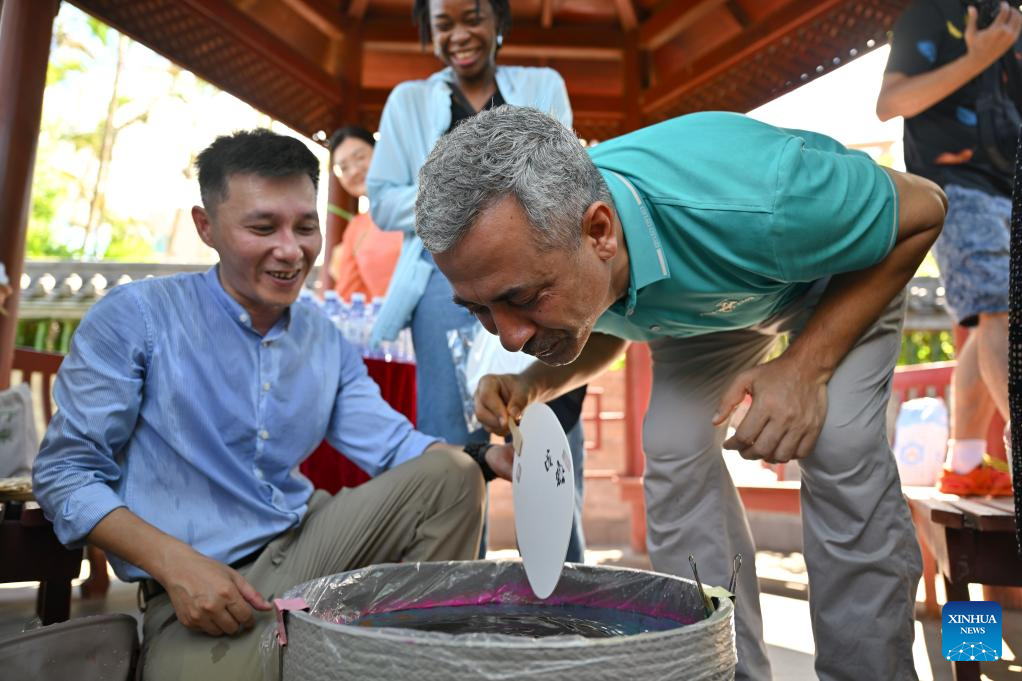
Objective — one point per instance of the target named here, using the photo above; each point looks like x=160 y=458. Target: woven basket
x=321 y=646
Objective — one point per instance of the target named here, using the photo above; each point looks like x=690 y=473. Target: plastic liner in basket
x=330 y=641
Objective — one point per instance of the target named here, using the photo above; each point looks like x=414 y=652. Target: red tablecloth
x=329 y=469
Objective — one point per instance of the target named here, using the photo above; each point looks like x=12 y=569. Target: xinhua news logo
x=971 y=630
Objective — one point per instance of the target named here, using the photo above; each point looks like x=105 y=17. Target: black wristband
x=477 y=450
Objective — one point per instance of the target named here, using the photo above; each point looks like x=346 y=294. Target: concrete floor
x=788 y=632
x=783 y=599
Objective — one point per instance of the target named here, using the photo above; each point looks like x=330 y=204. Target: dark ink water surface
x=522 y=620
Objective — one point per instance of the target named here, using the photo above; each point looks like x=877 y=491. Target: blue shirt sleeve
x=560 y=105
x=98 y=396
x=393 y=179
x=370 y=433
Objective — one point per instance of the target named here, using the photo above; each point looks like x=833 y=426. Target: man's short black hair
x=341 y=134
x=257 y=152
x=420 y=15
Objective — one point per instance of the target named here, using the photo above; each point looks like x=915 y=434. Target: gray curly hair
x=507 y=151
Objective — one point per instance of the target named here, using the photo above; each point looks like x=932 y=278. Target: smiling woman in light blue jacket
x=417 y=113
x=466 y=35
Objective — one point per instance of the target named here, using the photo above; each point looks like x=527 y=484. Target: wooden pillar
x=633 y=80
x=335 y=226
x=638 y=382
x=638 y=366
x=26 y=27
x=347 y=58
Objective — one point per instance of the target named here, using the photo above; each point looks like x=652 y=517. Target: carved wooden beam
x=324 y=15
x=626 y=15
x=740 y=15
x=706 y=67
x=633 y=79
x=212 y=38
x=667 y=23
x=598 y=105
x=611 y=106
x=546 y=13
x=528 y=40
x=357 y=9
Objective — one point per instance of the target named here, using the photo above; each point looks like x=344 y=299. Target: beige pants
x=859 y=544
x=427 y=509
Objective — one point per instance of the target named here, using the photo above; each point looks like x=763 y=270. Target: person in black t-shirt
x=955 y=77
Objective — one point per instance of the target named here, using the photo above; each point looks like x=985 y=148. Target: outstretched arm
x=393 y=179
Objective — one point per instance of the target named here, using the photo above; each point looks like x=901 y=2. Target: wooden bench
x=30 y=550
x=32 y=554
x=969 y=540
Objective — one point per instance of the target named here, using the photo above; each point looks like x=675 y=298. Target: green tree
x=49 y=191
x=130 y=241
x=73 y=55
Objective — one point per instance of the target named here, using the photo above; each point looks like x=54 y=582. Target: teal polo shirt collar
x=647 y=262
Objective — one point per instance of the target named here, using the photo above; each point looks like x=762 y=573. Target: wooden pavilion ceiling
x=316 y=64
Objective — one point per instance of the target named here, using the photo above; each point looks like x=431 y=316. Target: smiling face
x=350 y=163
x=267 y=235
x=465 y=36
x=540 y=301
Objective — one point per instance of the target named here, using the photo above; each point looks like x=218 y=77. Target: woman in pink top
x=364 y=260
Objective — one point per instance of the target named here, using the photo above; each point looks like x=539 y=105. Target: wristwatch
x=477 y=450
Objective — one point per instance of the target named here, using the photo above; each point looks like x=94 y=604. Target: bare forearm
x=908 y=96
x=132 y=539
x=853 y=300
x=904 y=95
x=851 y=303
x=206 y=594
x=551 y=382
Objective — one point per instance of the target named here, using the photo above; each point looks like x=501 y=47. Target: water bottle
x=406 y=350
x=344 y=320
x=358 y=321
x=307 y=297
x=382 y=349
x=332 y=306
x=920 y=440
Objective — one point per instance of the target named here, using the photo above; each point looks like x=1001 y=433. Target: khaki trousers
x=859 y=543
x=427 y=509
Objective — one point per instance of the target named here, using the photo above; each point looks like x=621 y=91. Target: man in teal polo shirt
x=707 y=236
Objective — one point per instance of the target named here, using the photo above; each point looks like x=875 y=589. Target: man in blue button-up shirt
x=707 y=236
x=187 y=403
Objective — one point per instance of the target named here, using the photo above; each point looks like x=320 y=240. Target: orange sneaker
x=1000 y=479
x=1000 y=485
x=981 y=481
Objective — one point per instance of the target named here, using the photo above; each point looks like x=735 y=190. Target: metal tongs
x=708 y=606
x=736 y=565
